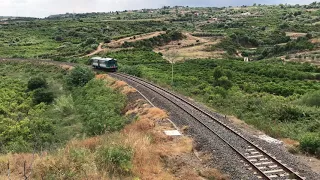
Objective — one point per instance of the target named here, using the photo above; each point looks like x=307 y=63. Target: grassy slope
x=64 y=38
x=27 y=125
x=141 y=150
x=268 y=94
x=270 y=98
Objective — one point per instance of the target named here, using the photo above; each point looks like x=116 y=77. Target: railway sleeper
x=265 y=161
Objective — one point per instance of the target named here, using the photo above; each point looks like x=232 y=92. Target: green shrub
x=64 y=105
x=79 y=156
x=223 y=82
x=217 y=73
x=311 y=99
x=99 y=107
x=37 y=83
x=289 y=113
x=310 y=143
x=42 y=95
x=79 y=76
x=107 y=39
x=90 y=41
x=115 y=160
x=18 y=145
x=58 y=38
x=132 y=70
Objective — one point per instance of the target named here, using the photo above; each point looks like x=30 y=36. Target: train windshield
x=112 y=62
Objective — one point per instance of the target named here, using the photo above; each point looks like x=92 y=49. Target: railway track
x=263 y=164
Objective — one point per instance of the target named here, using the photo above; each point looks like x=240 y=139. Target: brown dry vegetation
x=295 y=35
x=118 y=43
x=66 y=67
x=315 y=40
x=118 y=85
x=156 y=156
x=115 y=45
x=190 y=48
x=307 y=59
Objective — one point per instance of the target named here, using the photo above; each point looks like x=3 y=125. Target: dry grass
x=105 y=77
x=66 y=67
x=213 y=173
x=90 y=143
x=295 y=35
x=291 y=145
x=16 y=164
x=153 y=152
x=119 y=84
x=190 y=48
x=154 y=113
x=118 y=43
x=140 y=136
x=290 y=142
x=315 y=40
x=122 y=86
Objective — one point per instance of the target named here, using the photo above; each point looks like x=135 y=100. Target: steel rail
x=284 y=167
x=133 y=78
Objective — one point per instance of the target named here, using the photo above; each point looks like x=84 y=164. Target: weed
x=116 y=160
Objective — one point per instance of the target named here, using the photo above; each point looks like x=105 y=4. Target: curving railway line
x=263 y=164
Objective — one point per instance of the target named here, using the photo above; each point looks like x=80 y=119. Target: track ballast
x=263 y=164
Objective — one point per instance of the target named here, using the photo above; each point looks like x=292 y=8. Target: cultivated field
x=43 y=107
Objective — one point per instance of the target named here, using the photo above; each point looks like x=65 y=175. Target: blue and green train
x=109 y=64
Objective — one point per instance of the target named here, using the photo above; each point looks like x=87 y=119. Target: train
x=109 y=64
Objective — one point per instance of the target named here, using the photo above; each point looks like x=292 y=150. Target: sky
x=44 y=8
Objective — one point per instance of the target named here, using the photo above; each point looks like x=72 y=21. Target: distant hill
x=5 y=18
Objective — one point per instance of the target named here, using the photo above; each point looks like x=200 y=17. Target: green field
x=42 y=109
x=282 y=99
x=271 y=92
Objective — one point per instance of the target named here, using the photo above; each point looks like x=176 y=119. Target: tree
x=223 y=82
x=79 y=76
x=107 y=39
x=309 y=36
x=58 y=38
x=90 y=41
x=217 y=73
x=42 y=95
x=37 y=83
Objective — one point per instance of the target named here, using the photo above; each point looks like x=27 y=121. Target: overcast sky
x=43 y=8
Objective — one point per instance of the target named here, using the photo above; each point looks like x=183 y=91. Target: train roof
x=102 y=59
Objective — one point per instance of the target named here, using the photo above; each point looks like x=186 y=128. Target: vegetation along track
x=267 y=166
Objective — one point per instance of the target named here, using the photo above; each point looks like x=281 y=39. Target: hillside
x=60 y=122
x=257 y=32
x=72 y=113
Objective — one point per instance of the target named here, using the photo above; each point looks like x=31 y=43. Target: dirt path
x=118 y=43
x=191 y=47
x=99 y=49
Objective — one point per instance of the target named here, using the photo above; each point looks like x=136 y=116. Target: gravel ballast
x=224 y=157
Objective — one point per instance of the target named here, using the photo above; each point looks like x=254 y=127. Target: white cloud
x=42 y=8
